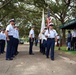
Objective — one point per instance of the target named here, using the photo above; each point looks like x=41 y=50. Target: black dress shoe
x=17 y=53
x=52 y=59
x=9 y=59
x=32 y=54
x=43 y=53
x=13 y=56
x=47 y=56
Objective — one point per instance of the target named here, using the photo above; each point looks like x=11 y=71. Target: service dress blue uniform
x=51 y=34
x=31 y=40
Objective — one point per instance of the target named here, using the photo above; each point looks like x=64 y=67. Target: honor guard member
x=51 y=34
x=3 y=40
x=39 y=37
x=31 y=40
x=16 y=40
x=42 y=41
x=9 y=35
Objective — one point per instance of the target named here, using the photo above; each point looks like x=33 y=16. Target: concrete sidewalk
x=38 y=64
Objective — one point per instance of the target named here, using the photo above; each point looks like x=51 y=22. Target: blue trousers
x=44 y=46
x=31 y=45
x=9 y=49
x=50 y=48
x=15 y=46
x=2 y=46
x=40 y=46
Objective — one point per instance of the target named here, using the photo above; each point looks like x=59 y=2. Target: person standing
x=69 y=37
x=9 y=36
x=16 y=40
x=0 y=43
x=3 y=40
x=42 y=41
x=31 y=40
x=51 y=35
x=74 y=39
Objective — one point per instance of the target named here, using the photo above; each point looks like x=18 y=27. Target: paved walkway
x=25 y=64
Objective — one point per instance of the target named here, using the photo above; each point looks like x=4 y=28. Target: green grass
x=64 y=49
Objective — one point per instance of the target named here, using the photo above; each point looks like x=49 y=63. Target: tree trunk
x=63 y=38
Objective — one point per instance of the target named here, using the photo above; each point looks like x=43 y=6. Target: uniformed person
x=16 y=40
x=0 y=43
x=51 y=34
x=42 y=41
x=74 y=39
x=31 y=40
x=9 y=35
x=69 y=37
x=3 y=40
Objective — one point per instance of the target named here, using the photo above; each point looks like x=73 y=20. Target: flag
x=43 y=22
x=49 y=20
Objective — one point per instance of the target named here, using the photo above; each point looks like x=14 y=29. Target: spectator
x=69 y=36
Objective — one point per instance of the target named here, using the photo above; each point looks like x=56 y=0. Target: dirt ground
x=38 y=64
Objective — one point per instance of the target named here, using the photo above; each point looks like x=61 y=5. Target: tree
x=24 y=11
x=60 y=10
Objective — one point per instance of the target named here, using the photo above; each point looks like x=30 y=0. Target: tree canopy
x=28 y=12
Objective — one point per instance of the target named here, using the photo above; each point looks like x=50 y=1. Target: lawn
x=64 y=49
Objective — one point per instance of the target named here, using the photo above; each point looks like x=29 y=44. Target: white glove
x=48 y=35
x=55 y=43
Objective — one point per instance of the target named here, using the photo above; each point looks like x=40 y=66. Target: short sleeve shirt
x=3 y=36
x=51 y=33
x=31 y=33
x=0 y=36
x=16 y=34
x=10 y=30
